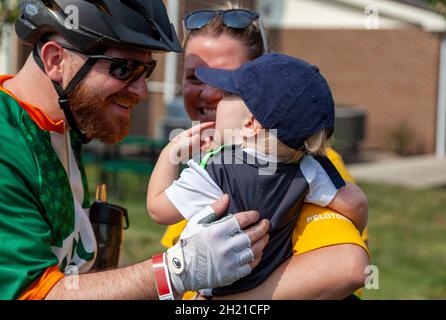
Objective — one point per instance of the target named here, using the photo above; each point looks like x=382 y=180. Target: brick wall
x=392 y=74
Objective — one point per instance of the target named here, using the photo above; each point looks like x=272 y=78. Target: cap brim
x=217 y=78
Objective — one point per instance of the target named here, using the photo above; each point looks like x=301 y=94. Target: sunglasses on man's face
x=234 y=18
x=126 y=70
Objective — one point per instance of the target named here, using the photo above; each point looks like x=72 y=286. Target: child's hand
x=189 y=142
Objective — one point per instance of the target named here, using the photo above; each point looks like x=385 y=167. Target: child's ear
x=251 y=127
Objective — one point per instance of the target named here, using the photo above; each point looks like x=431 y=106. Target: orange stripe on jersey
x=40 y=118
x=42 y=286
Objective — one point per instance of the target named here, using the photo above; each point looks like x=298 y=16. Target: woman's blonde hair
x=251 y=36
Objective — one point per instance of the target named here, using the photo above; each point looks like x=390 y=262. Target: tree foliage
x=438 y=5
x=8 y=10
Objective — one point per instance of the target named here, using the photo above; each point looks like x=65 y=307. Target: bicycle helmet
x=128 y=24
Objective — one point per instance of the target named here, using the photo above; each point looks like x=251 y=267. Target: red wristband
x=161 y=275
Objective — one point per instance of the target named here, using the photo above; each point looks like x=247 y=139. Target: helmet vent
x=49 y=4
x=101 y=6
x=137 y=7
x=52 y=5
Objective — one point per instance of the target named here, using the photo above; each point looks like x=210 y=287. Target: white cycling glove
x=210 y=253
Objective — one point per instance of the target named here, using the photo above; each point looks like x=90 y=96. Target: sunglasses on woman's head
x=126 y=70
x=233 y=18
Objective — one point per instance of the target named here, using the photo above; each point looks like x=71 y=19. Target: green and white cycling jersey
x=44 y=199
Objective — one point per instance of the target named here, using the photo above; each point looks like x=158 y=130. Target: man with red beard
x=80 y=83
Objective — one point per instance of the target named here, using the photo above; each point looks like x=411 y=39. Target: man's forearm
x=332 y=272
x=133 y=282
x=220 y=244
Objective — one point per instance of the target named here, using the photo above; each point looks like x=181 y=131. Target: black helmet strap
x=64 y=101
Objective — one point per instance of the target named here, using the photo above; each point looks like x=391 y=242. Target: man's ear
x=52 y=57
x=251 y=127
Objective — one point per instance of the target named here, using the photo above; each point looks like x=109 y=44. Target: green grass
x=407 y=231
x=407 y=242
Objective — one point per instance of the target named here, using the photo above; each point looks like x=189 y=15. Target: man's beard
x=97 y=118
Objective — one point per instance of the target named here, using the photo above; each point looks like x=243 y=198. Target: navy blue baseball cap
x=282 y=92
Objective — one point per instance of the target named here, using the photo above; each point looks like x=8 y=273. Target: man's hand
x=213 y=253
